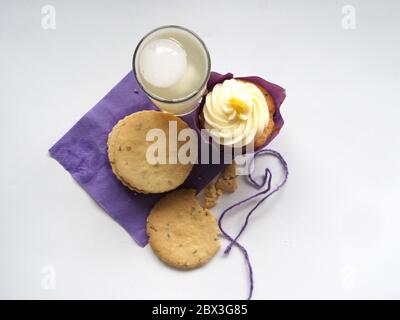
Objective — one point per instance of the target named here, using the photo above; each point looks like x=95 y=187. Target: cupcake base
x=260 y=141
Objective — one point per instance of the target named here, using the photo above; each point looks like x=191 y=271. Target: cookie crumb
x=211 y=196
x=226 y=183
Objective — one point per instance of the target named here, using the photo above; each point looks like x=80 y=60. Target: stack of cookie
x=128 y=145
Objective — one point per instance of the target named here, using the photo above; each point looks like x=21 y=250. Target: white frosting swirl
x=235 y=123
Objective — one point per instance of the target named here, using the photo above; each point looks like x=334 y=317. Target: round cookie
x=182 y=233
x=127 y=147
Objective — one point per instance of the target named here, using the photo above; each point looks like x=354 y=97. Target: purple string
x=266 y=180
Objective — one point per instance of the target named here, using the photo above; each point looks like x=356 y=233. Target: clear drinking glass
x=172 y=65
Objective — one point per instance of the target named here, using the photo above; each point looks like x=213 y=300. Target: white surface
x=333 y=232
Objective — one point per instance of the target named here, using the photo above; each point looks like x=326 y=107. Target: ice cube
x=163 y=62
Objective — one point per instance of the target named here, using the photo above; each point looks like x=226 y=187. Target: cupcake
x=237 y=113
x=128 y=148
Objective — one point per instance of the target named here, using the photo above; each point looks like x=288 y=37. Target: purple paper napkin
x=82 y=151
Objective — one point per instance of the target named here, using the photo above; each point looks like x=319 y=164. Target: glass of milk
x=172 y=65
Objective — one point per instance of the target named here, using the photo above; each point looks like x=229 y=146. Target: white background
x=333 y=232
